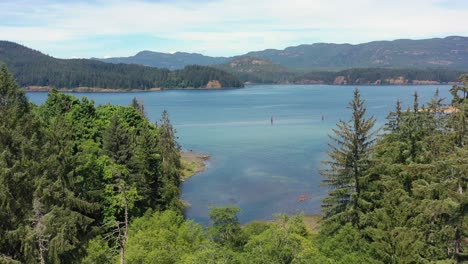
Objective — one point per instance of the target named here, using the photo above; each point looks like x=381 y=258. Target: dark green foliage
x=348 y=164
x=459 y=119
x=117 y=141
x=170 y=165
x=70 y=170
x=32 y=68
x=13 y=103
x=378 y=76
x=415 y=187
x=250 y=69
x=385 y=76
x=198 y=76
x=138 y=105
x=255 y=70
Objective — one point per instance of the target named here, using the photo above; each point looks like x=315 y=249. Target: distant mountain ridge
x=33 y=68
x=171 y=61
x=450 y=52
x=256 y=70
x=447 y=53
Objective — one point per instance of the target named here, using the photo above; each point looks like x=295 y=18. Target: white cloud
x=227 y=27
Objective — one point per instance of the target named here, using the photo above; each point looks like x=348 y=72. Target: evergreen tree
x=138 y=105
x=459 y=118
x=21 y=155
x=13 y=102
x=394 y=119
x=226 y=229
x=117 y=141
x=348 y=163
x=148 y=161
x=170 y=165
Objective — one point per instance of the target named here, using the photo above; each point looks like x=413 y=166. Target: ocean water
x=262 y=168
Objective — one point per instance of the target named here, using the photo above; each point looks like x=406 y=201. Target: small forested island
x=40 y=72
x=81 y=183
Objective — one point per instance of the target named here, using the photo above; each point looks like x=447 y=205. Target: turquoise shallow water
x=261 y=168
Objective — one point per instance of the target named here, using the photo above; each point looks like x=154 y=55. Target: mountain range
x=171 y=61
x=38 y=71
x=447 y=53
x=430 y=61
x=254 y=70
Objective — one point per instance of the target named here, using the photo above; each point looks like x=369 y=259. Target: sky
x=116 y=28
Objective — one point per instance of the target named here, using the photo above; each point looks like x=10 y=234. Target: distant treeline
x=32 y=68
x=382 y=75
x=267 y=72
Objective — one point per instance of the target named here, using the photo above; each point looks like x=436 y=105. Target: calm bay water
x=261 y=168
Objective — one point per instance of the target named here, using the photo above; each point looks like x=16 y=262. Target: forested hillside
x=71 y=171
x=32 y=68
x=255 y=70
x=449 y=53
x=172 y=61
x=81 y=183
x=436 y=53
x=400 y=197
x=378 y=76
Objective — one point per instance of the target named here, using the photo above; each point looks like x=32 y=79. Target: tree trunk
x=123 y=242
x=39 y=229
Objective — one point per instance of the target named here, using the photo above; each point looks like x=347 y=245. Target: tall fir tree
x=348 y=163
x=117 y=141
x=170 y=165
x=459 y=117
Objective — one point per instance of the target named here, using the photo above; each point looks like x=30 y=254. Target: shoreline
x=354 y=85
x=46 y=89
x=193 y=163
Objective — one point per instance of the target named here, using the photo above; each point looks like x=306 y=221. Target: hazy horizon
x=114 y=28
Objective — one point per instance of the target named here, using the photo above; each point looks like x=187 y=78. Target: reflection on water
x=262 y=168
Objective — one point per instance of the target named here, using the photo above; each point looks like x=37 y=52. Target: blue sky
x=112 y=28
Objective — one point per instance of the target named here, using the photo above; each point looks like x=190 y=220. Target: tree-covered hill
x=436 y=53
x=449 y=53
x=172 y=61
x=70 y=170
x=32 y=68
x=255 y=70
x=377 y=76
